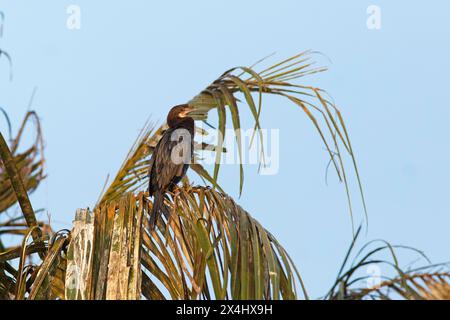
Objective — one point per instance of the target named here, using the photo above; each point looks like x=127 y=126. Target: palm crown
x=210 y=247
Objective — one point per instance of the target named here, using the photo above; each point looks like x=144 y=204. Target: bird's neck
x=183 y=123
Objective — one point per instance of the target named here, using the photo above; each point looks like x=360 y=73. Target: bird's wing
x=151 y=171
x=164 y=170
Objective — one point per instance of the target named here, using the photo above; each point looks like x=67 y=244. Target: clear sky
x=134 y=59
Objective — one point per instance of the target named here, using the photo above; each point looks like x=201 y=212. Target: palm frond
x=356 y=281
x=133 y=174
x=38 y=280
x=412 y=286
x=20 y=174
x=209 y=248
x=19 y=189
x=223 y=93
x=29 y=163
x=49 y=283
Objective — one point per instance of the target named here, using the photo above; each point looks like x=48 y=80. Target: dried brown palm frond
x=29 y=163
x=218 y=252
x=17 y=226
x=411 y=286
x=210 y=248
x=357 y=280
x=20 y=174
x=251 y=86
x=43 y=279
x=49 y=281
x=171 y=259
x=436 y=286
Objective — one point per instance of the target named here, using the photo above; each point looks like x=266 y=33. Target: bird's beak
x=187 y=111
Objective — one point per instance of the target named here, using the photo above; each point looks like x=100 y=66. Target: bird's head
x=179 y=114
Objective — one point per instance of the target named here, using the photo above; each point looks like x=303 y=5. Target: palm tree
x=209 y=247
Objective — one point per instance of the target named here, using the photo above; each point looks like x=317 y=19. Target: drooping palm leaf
x=29 y=163
x=211 y=248
x=278 y=80
x=411 y=286
x=135 y=169
x=222 y=94
x=19 y=189
x=20 y=174
x=355 y=281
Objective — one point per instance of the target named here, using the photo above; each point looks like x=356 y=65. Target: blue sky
x=132 y=60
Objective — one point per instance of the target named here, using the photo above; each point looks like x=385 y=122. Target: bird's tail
x=158 y=203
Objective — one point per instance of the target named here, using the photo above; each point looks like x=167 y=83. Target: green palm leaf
x=222 y=94
x=209 y=248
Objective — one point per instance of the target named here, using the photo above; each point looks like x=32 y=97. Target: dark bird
x=171 y=157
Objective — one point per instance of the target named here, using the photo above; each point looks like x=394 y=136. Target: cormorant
x=171 y=157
